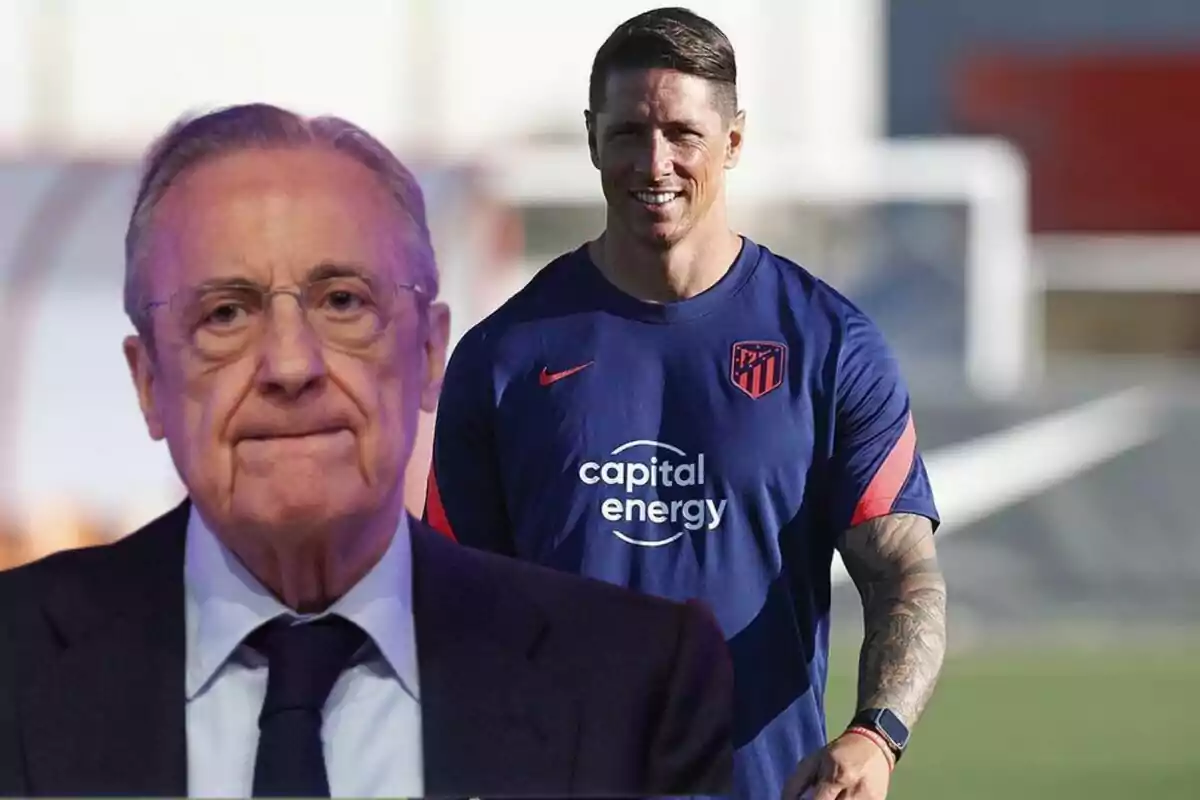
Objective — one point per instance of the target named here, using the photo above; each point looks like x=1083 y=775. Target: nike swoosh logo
x=975 y=479
x=547 y=377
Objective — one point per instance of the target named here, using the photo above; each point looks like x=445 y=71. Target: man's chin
x=662 y=240
x=296 y=510
x=661 y=234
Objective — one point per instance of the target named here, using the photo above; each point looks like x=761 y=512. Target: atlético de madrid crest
x=758 y=367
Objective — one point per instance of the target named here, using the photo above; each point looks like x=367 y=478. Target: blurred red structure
x=1111 y=138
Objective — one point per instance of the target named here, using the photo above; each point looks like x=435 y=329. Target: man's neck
x=312 y=571
x=664 y=275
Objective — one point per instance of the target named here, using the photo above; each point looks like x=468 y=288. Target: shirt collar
x=226 y=603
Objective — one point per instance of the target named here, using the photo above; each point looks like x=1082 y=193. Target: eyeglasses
x=348 y=312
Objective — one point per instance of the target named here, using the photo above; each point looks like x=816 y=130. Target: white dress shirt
x=372 y=721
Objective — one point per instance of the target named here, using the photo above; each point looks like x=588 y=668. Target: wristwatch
x=887 y=725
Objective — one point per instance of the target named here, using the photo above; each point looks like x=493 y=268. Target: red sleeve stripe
x=881 y=493
x=435 y=512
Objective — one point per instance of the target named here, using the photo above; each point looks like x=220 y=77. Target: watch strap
x=887 y=725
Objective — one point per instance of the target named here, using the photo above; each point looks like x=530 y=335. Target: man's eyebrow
x=640 y=125
x=322 y=271
x=225 y=283
x=627 y=126
x=335 y=269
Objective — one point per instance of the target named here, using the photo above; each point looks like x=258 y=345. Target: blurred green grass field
x=1064 y=723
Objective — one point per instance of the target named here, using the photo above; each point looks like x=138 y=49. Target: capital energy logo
x=654 y=493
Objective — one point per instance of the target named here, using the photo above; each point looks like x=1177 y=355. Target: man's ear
x=589 y=121
x=142 y=370
x=733 y=144
x=436 y=342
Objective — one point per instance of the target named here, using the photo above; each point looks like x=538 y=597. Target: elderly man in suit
x=289 y=630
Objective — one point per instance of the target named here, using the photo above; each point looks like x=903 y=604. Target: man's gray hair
x=193 y=140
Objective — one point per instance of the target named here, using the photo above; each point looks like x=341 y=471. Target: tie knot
x=304 y=660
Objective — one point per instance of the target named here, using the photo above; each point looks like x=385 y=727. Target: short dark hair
x=667 y=38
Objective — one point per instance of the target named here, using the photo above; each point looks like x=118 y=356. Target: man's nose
x=291 y=357
x=657 y=157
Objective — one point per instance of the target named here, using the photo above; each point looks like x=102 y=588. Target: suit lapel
x=106 y=714
x=497 y=719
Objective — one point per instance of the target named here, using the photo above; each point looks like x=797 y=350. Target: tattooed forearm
x=893 y=562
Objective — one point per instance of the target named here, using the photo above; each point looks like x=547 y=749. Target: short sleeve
x=877 y=468
x=465 y=499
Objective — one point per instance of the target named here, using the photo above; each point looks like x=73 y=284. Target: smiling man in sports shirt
x=676 y=409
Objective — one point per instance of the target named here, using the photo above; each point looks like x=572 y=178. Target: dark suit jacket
x=533 y=683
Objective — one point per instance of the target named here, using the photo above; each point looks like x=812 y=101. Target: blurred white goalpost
x=987 y=176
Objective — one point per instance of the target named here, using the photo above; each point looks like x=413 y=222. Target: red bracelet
x=877 y=739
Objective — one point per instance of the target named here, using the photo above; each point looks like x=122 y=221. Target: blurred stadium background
x=1011 y=189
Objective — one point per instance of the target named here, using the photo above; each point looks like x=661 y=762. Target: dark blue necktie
x=304 y=662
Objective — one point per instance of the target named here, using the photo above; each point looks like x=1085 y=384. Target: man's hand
x=851 y=767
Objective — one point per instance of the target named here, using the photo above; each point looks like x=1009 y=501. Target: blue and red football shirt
x=712 y=448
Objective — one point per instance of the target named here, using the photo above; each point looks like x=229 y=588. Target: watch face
x=890 y=724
